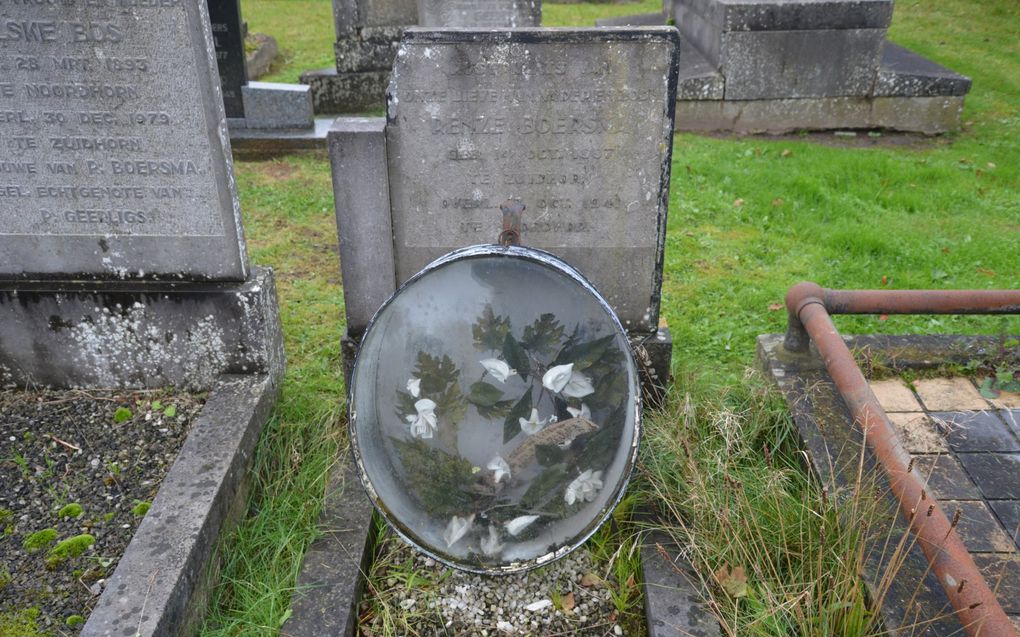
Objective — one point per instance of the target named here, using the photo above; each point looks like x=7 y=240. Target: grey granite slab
x=275 y=105
x=495 y=14
x=796 y=64
x=575 y=122
x=905 y=73
x=115 y=159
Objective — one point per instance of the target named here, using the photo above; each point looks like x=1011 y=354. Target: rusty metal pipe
x=893 y=302
x=976 y=605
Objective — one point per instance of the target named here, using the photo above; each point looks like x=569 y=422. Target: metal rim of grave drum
x=549 y=260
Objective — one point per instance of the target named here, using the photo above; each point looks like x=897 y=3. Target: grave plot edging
x=160 y=584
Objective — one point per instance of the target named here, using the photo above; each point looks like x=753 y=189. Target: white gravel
x=546 y=601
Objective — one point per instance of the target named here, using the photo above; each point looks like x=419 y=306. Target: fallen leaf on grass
x=738 y=202
x=590 y=579
x=733 y=582
x=883 y=317
x=786 y=152
x=775 y=307
x=885 y=280
x=778 y=201
x=986 y=272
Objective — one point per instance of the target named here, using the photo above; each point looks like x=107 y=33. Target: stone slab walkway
x=965 y=446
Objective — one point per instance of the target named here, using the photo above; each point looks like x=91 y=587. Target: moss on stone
x=39 y=540
x=70 y=548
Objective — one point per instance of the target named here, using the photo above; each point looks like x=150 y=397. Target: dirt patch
x=277 y=170
x=79 y=470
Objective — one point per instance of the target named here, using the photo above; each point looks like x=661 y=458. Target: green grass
x=748 y=218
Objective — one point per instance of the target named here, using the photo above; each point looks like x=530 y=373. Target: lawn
x=749 y=216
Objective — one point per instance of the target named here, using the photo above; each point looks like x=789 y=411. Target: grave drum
x=495 y=409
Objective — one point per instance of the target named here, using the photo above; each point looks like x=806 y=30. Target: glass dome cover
x=495 y=409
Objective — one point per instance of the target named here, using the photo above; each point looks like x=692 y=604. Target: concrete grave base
x=253 y=143
x=833 y=445
x=928 y=115
x=138 y=334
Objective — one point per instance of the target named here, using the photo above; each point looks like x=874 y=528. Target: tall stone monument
x=122 y=255
x=781 y=65
x=495 y=14
x=575 y=123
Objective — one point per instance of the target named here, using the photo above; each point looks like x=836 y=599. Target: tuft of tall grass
x=777 y=552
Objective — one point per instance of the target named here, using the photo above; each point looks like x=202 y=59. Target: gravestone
x=228 y=36
x=263 y=116
x=115 y=163
x=782 y=65
x=495 y=14
x=367 y=33
x=123 y=261
x=575 y=123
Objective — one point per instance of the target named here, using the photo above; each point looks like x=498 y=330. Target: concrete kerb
x=162 y=582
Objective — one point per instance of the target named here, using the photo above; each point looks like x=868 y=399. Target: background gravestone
x=123 y=263
x=497 y=14
x=367 y=32
x=115 y=165
x=228 y=36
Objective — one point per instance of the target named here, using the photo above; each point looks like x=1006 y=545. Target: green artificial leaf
x=521 y=409
x=438 y=480
x=545 y=487
x=435 y=373
x=516 y=357
x=584 y=355
x=450 y=405
x=543 y=335
x=490 y=330
x=484 y=395
x=497 y=410
x=123 y=414
x=987 y=388
x=548 y=455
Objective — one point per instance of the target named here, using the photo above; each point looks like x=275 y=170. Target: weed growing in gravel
x=19 y=623
x=72 y=510
x=140 y=508
x=74 y=620
x=39 y=540
x=68 y=549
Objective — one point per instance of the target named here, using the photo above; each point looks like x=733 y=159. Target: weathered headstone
x=496 y=14
x=228 y=36
x=123 y=262
x=115 y=161
x=577 y=124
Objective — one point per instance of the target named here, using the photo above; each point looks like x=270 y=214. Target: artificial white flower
x=516 y=525
x=563 y=378
x=498 y=369
x=557 y=377
x=499 y=465
x=532 y=425
x=491 y=545
x=584 y=487
x=583 y=412
x=456 y=529
x=578 y=386
x=414 y=387
x=424 y=423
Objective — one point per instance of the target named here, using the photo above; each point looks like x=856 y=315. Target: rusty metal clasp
x=512 y=210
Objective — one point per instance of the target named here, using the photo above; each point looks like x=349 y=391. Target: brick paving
x=964 y=446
